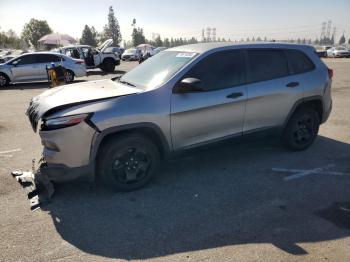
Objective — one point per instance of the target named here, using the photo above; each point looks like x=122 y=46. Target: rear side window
x=47 y=58
x=266 y=65
x=220 y=70
x=299 y=62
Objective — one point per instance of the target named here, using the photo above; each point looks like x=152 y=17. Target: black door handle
x=293 y=84
x=234 y=95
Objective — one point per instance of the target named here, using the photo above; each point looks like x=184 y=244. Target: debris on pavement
x=38 y=187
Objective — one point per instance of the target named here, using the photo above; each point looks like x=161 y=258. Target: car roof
x=75 y=46
x=46 y=53
x=205 y=47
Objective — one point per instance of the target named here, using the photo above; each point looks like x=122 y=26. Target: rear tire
x=69 y=75
x=301 y=130
x=4 y=80
x=128 y=162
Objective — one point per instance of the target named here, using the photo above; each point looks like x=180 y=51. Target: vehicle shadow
x=33 y=85
x=210 y=197
x=103 y=73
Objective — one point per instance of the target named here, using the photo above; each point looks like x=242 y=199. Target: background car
x=94 y=58
x=339 y=51
x=158 y=50
x=132 y=54
x=32 y=67
x=116 y=50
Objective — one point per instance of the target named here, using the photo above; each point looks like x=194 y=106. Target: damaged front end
x=63 y=118
x=38 y=187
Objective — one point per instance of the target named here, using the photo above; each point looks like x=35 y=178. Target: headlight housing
x=63 y=122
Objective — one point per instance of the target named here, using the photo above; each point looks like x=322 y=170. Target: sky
x=275 y=19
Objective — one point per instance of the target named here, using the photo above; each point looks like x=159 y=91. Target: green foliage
x=11 y=40
x=138 y=37
x=89 y=36
x=112 y=29
x=34 y=30
x=342 y=40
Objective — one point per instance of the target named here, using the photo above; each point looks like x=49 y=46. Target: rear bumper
x=80 y=72
x=327 y=113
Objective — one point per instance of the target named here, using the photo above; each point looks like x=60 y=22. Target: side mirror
x=14 y=63
x=188 y=85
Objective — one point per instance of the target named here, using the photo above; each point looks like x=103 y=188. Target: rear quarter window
x=266 y=64
x=299 y=62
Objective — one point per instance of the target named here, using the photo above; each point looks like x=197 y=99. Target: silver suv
x=184 y=97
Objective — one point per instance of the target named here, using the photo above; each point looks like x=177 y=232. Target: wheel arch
x=108 y=59
x=7 y=76
x=315 y=102
x=150 y=130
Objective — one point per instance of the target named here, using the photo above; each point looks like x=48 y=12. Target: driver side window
x=220 y=70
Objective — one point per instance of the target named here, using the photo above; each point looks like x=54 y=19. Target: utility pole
x=329 y=26
x=208 y=34
x=323 y=30
x=214 y=34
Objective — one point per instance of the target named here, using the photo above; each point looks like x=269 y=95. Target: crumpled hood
x=74 y=94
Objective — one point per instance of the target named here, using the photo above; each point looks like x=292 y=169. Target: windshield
x=130 y=51
x=156 y=70
x=341 y=48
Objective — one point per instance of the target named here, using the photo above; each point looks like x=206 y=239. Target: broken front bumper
x=38 y=187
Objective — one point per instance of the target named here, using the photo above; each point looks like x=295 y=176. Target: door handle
x=293 y=84
x=235 y=95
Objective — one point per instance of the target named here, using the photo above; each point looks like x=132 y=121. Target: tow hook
x=38 y=187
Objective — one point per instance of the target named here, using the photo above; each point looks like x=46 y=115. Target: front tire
x=128 y=162
x=301 y=130
x=108 y=66
x=4 y=80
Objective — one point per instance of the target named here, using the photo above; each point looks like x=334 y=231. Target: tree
x=138 y=37
x=10 y=39
x=342 y=40
x=88 y=36
x=166 y=42
x=34 y=30
x=158 y=41
x=112 y=29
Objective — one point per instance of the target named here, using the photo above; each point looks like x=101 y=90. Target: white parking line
x=304 y=172
x=6 y=156
x=10 y=151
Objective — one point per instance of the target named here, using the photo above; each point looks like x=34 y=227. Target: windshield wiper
x=126 y=83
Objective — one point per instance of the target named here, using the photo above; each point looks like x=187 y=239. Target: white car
x=33 y=67
x=94 y=58
x=339 y=51
x=132 y=54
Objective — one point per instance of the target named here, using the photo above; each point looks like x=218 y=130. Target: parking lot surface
x=239 y=201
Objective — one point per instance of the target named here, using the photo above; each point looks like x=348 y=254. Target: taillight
x=330 y=73
x=80 y=62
